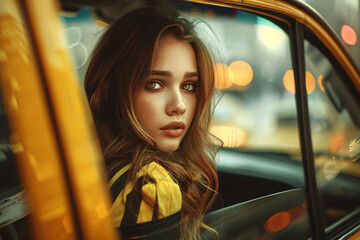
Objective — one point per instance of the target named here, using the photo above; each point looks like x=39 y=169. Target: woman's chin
x=167 y=147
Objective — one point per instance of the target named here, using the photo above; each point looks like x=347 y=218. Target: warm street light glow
x=348 y=35
x=222 y=80
x=240 y=73
x=319 y=81
x=289 y=81
x=232 y=137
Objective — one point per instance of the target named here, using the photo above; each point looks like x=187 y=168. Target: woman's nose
x=176 y=104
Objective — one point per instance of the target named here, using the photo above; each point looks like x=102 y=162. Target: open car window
x=255 y=115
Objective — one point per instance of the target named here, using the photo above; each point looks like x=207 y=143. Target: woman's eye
x=190 y=87
x=153 y=85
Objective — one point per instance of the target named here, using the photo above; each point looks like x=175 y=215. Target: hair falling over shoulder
x=119 y=63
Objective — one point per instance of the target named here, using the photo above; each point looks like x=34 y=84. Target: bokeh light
x=310 y=82
x=348 y=35
x=222 y=80
x=337 y=140
x=277 y=222
x=232 y=137
x=270 y=35
x=289 y=81
x=319 y=81
x=240 y=73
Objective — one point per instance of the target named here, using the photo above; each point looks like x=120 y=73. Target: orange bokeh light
x=240 y=73
x=319 y=81
x=289 y=81
x=348 y=35
x=337 y=141
x=222 y=80
x=277 y=222
x=310 y=82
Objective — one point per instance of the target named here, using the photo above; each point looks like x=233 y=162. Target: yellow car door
x=51 y=133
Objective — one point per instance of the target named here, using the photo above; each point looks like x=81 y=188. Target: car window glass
x=13 y=208
x=255 y=115
x=335 y=137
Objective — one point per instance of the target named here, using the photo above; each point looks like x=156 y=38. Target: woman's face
x=165 y=104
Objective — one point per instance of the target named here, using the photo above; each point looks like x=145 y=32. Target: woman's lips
x=173 y=132
x=174 y=129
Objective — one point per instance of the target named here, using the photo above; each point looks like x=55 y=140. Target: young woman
x=149 y=86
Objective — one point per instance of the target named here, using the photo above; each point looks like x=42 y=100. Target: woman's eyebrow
x=169 y=74
x=191 y=74
x=161 y=73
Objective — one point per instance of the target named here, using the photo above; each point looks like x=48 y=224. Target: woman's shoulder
x=156 y=172
x=158 y=195
x=153 y=172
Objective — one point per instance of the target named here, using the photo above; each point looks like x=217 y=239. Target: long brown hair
x=119 y=66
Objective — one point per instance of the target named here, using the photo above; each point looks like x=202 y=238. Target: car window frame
x=350 y=222
x=297 y=37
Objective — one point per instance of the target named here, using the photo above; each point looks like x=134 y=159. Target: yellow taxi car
x=288 y=112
